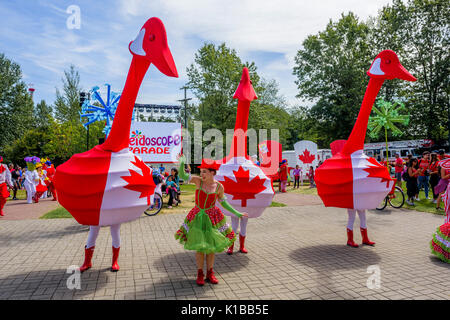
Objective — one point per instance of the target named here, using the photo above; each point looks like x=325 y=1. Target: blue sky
x=34 y=34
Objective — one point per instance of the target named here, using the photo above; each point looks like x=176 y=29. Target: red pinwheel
x=247 y=187
x=350 y=179
x=108 y=185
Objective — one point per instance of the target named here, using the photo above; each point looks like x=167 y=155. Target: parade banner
x=155 y=141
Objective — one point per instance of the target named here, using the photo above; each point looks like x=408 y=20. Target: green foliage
x=330 y=71
x=67 y=104
x=16 y=105
x=214 y=77
x=331 y=68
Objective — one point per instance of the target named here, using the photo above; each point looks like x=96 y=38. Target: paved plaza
x=295 y=252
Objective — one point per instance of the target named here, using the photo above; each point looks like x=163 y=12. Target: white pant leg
x=92 y=236
x=44 y=195
x=115 y=235
x=31 y=190
x=362 y=218
x=351 y=218
x=234 y=223
x=243 y=229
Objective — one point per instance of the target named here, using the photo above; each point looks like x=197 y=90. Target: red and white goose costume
x=246 y=186
x=108 y=185
x=350 y=179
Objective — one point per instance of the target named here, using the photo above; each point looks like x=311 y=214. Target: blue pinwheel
x=95 y=108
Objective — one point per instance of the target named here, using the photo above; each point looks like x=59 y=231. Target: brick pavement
x=20 y=209
x=294 y=253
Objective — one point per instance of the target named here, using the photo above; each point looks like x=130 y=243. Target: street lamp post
x=185 y=100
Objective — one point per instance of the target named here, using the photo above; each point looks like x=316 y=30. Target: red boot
x=87 y=259
x=230 y=249
x=365 y=238
x=200 y=277
x=115 y=266
x=210 y=277
x=350 y=241
x=2 y=204
x=241 y=244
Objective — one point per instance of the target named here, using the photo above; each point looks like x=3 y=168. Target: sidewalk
x=21 y=210
x=294 y=253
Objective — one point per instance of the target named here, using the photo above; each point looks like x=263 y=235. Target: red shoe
x=115 y=266
x=350 y=241
x=365 y=238
x=1 y=213
x=241 y=244
x=210 y=277
x=230 y=249
x=200 y=277
x=87 y=259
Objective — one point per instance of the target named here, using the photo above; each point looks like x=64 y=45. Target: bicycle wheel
x=382 y=204
x=155 y=208
x=397 y=200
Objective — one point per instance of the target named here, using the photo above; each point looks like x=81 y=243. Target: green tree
x=43 y=115
x=67 y=104
x=422 y=31
x=331 y=72
x=214 y=77
x=16 y=105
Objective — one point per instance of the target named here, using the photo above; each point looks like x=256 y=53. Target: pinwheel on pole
x=387 y=114
x=96 y=109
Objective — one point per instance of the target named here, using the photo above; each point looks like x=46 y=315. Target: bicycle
x=156 y=207
x=395 y=197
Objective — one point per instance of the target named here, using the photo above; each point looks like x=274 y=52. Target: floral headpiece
x=32 y=160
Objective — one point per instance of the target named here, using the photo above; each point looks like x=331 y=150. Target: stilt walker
x=108 y=185
x=5 y=181
x=350 y=179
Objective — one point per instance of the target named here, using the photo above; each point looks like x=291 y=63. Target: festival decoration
x=387 y=114
x=102 y=187
x=97 y=109
x=350 y=179
x=246 y=186
x=270 y=154
x=306 y=155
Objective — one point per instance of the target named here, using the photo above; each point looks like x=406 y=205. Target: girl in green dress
x=205 y=228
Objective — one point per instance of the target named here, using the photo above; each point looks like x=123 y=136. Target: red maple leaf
x=306 y=157
x=243 y=189
x=140 y=183
x=377 y=170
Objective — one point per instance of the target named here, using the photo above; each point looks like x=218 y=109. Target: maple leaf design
x=377 y=170
x=140 y=183
x=306 y=157
x=243 y=189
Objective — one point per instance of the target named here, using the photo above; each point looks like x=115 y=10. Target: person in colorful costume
x=31 y=177
x=49 y=182
x=440 y=244
x=5 y=178
x=205 y=228
x=350 y=179
x=41 y=188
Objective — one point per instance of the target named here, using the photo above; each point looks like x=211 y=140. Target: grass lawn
x=21 y=195
x=423 y=205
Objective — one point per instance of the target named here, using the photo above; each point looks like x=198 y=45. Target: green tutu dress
x=205 y=228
